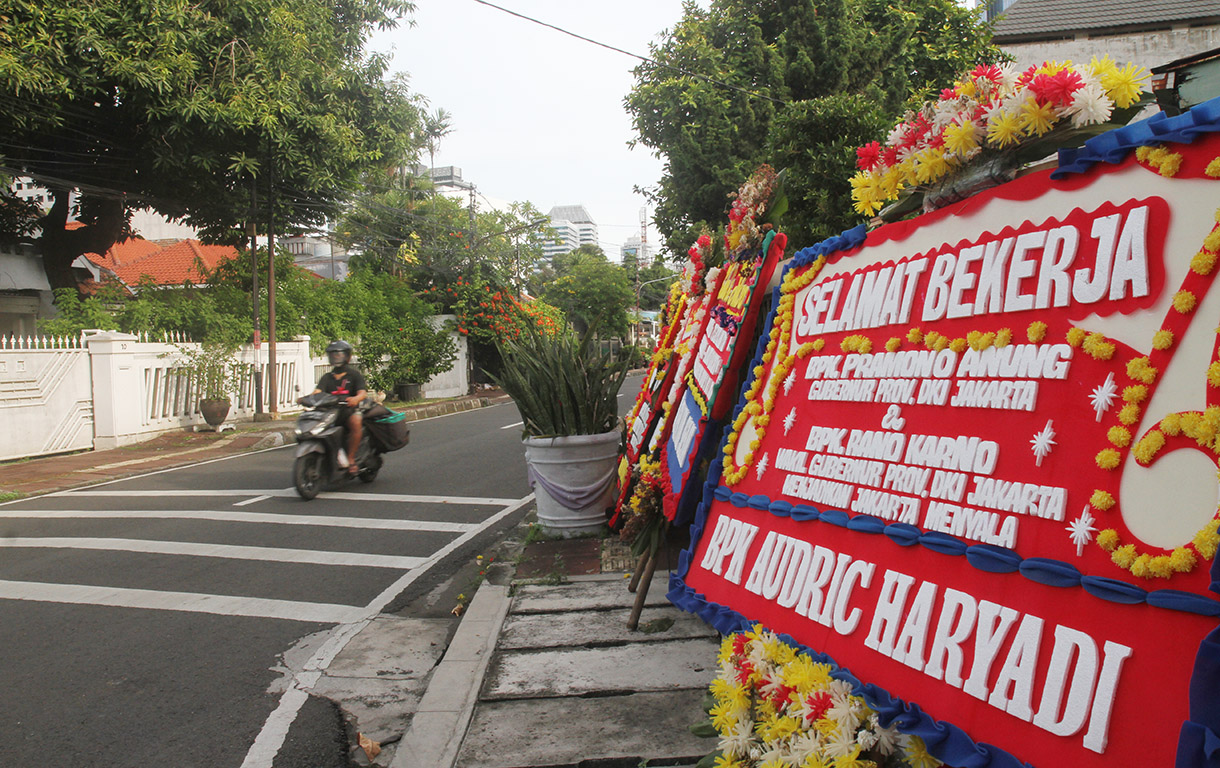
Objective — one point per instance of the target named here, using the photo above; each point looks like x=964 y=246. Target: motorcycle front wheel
x=308 y=475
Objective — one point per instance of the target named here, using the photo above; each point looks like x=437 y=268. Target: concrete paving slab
x=380 y=709
x=436 y=730
x=564 y=733
x=393 y=648
x=655 y=666
x=592 y=594
x=599 y=628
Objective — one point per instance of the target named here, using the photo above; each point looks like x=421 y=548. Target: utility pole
x=272 y=388
x=252 y=230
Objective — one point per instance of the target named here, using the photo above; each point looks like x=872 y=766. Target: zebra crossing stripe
x=228 y=551
x=224 y=605
x=231 y=516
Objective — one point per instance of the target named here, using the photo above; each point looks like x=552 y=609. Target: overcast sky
x=538 y=115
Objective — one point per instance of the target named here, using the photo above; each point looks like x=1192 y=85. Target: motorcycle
x=320 y=438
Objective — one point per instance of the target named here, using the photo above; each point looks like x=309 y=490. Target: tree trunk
x=60 y=246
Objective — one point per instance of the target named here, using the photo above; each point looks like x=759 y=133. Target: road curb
x=439 y=724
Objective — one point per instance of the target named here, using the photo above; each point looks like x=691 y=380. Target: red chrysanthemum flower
x=988 y=72
x=818 y=703
x=868 y=156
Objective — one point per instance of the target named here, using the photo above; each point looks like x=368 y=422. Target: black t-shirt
x=343 y=386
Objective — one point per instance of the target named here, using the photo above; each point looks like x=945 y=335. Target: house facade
x=1149 y=33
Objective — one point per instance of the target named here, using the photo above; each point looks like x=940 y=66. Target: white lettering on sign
x=1073 y=693
x=1045 y=268
x=874 y=298
x=1033 y=270
x=990 y=651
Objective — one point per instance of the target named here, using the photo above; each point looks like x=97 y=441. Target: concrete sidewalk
x=549 y=676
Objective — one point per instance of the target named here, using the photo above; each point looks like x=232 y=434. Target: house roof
x=1034 y=19
x=173 y=264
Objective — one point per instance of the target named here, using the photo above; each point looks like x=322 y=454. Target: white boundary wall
x=109 y=389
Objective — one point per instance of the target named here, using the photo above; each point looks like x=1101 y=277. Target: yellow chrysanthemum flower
x=1124 y=85
x=865 y=194
x=1003 y=337
x=1108 y=458
x=1003 y=128
x=1037 y=119
x=1162 y=340
x=961 y=138
x=1213 y=168
x=1124 y=556
x=1184 y=301
x=893 y=345
x=930 y=165
x=1119 y=436
x=1203 y=262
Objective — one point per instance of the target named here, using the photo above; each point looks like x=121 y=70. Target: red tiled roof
x=172 y=264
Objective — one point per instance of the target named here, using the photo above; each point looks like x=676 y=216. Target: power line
x=645 y=59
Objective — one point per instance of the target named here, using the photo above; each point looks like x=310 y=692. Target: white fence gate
x=46 y=398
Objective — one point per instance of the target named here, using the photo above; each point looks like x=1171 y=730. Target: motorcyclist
x=348 y=383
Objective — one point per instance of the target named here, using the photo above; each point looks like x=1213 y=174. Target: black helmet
x=339 y=353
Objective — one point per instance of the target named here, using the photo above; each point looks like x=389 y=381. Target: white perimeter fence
x=108 y=389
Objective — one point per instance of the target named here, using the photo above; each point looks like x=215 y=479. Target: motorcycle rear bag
x=388 y=430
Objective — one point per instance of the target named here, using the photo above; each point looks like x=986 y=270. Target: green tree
x=180 y=106
x=592 y=292
x=800 y=84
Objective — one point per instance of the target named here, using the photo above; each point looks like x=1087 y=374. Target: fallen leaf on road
x=371 y=748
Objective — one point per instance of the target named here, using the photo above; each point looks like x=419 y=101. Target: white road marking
x=193 y=602
x=267 y=745
x=405 y=498
x=264 y=497
x=514 y=424
x=227 y=516
x=228 y=551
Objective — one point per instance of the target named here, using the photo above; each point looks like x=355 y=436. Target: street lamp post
x=637 y=298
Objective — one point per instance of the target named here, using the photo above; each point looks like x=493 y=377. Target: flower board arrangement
x=775 y=707
x=987 y=125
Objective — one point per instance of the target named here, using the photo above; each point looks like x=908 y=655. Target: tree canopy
x=794 y=83
x=179 y=107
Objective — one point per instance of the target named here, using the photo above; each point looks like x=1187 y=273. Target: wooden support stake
x=641 y=593
x=639 y=571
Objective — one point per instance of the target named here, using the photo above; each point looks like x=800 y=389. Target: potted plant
x=567 y=393
x=215 y=377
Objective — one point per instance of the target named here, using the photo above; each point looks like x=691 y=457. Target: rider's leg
x=355 y=429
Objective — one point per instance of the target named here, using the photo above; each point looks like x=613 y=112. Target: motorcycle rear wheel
x=308 y=475
x=368 y=473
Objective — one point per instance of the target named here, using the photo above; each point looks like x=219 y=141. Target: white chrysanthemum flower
x=846 y=712
x=804 y=744
x=770 y=685
x=1090 y=106
x=896 y=134
x=711 y=276
x=866 y=739
x=840 y=689
x=739 y=740
x=946 y=112
x=840 y=743
x=770 y=753
x=1009 y=73
x=889 y=740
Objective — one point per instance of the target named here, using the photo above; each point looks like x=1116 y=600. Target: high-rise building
x=573 y=227
x=633 y=249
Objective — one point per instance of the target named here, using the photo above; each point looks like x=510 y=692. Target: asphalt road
x=141 y=622
x=144 y=622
